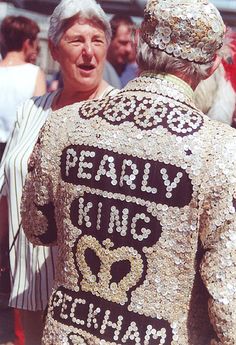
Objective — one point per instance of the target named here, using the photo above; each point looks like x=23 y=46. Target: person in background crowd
x=20 y=80
x=33 y=56
x=138 y=191
x=120 y=49
x=131 y=69
x=56 y=82
x=79 y=35
x=216 y=96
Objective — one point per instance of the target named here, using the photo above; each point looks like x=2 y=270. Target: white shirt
x=17 y=85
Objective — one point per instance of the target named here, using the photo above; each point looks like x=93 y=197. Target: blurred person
x=216 y=95
x=120 y=49
x=56 y=82
x=32 y=58
x=131 y=70
x=110 y=75
x=138 y=192
x=79 y=35
x=20 y=80
x=121 y=43
x=229 y=56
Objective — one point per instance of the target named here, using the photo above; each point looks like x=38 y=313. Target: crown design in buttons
x=105 y=283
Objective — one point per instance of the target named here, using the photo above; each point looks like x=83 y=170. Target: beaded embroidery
x=143 y=189
x=190 y=29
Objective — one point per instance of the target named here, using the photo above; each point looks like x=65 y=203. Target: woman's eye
x=76 y=40
x=98 y=40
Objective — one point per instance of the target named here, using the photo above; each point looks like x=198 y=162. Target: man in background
x=120 y=49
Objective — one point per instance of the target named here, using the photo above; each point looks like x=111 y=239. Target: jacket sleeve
x=37 y=204
x=218 y=266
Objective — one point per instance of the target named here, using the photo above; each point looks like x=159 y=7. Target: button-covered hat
x=189 y=29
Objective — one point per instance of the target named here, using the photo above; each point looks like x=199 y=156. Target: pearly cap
x=189 y=29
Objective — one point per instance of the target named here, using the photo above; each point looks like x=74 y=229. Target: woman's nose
x=87 y=49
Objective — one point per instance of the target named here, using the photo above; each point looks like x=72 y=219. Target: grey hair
x=160 y=62
x=67 y=9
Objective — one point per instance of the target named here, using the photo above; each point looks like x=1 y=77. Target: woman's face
x=81 y=54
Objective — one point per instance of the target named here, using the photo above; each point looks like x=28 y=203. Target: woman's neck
x=13 y=59
x=67 y=96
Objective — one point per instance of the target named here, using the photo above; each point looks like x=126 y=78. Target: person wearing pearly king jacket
x=138 y=192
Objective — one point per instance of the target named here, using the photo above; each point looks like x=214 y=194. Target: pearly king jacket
x=138 y=191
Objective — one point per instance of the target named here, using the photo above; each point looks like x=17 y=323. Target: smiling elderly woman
x=79 y=36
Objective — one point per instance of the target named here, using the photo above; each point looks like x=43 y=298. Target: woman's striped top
x=32 y=268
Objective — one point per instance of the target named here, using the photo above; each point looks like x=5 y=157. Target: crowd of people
x=118 y=180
